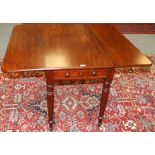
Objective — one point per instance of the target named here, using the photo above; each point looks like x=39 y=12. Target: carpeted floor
x=131 y=103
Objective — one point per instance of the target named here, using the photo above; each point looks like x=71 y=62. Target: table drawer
x=68 y=74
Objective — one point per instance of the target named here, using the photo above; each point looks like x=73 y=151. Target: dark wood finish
x=135 y=28
x=105 y=93
x=50 y=99
x=72 y=74
x=68 y=46
x=53 y=46
x=122 y=52
x=71 y=52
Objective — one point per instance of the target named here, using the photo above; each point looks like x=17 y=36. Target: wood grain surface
x=135 y=28
x=69 y=46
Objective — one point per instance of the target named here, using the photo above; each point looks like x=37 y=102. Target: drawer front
x=78 y=74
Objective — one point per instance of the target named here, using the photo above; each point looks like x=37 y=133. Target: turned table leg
x=50 y=99
x=105 y=93
x=50 y=104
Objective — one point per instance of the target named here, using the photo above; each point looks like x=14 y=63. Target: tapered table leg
x=105 y=93
x=50 y=104
x=50 y=98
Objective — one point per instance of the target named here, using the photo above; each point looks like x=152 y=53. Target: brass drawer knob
x=67 y=75
x=81 y=73
x=94 y=73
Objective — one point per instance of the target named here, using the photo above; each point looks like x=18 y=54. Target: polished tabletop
x=69 y=46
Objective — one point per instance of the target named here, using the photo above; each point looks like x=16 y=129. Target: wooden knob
x=81 y=73
x=94 y=73
x=66 y=75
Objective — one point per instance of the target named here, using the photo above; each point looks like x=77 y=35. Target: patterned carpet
x=131 y=103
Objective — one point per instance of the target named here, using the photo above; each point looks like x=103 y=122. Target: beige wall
x=144 y=42
x=5 y=32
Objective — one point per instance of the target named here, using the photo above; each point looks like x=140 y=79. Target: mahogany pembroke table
x=71 y=52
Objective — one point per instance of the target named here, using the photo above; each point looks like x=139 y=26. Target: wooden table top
x=69 y=46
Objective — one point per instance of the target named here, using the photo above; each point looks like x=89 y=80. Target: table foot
x=51 y=125
x=100 y=121
x=99 y=124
